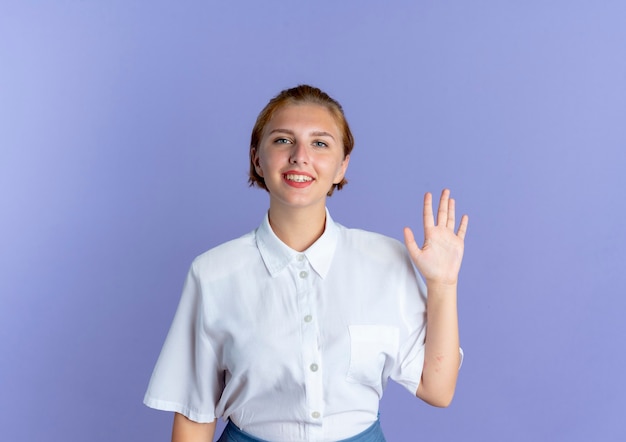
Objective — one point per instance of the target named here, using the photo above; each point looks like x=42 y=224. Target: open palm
x=439 y=259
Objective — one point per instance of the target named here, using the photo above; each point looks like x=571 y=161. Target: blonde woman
x=291 y=332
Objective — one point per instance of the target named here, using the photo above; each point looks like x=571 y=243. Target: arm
x=439 y=262
x=185 y=430
x=442 y=358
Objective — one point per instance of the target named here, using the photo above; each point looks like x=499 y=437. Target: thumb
x=409 y=242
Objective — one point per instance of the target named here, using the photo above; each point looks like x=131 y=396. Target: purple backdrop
x=123 y=154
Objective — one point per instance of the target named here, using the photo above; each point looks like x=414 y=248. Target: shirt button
x=313 y=367
x=303 y=274
x=315 y=415
x=308 y=318
x=300 y=258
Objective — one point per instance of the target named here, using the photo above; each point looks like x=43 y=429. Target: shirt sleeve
x=186 y=378
x=412 y=310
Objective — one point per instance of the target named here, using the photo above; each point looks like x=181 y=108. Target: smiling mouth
x=298 y=178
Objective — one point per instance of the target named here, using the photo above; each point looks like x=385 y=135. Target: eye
x=282 y=141
x=319 y=144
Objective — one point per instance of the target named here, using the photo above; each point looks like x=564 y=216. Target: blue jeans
x=232 y=433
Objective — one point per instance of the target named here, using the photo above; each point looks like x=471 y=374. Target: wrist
x=441 y=288
x=444 y=284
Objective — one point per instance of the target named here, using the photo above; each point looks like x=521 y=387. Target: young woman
x=292 y=331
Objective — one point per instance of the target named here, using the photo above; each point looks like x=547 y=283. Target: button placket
x=311 y=356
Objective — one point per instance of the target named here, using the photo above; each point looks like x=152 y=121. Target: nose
x=299 y=154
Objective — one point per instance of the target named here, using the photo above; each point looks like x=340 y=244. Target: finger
x=429 y=220
x=463 y=227
x=451 y=214
x=442 y=213
x=411 y=244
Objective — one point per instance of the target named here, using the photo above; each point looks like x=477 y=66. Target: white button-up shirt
x=294 y=346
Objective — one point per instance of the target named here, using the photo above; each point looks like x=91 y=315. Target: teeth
x=298 y=178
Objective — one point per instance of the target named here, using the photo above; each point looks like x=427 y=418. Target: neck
x=298 y=228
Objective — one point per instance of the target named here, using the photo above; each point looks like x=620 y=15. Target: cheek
x=339 y=167
x=267 y=162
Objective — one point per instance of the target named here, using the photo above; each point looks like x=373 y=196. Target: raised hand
x=439 y=259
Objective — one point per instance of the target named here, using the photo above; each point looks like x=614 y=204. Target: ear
x=342 y=170
x=256 y=162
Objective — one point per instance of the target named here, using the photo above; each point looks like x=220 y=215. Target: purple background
x=124 y=128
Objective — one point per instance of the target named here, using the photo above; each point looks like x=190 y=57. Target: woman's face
x=300 y=155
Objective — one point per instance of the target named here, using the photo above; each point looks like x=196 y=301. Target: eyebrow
x=314 y=133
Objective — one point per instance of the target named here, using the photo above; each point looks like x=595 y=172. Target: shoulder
x=227 y=257
x=370 y=243
x=377 y=259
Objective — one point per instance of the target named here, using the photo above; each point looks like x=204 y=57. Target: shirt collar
x=277 y=255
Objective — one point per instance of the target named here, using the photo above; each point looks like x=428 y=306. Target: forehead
x=302 y=116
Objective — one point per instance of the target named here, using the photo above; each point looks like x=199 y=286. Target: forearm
x=185 y=430
x=442 y=358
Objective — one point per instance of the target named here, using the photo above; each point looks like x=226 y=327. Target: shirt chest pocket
x=371 y=348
